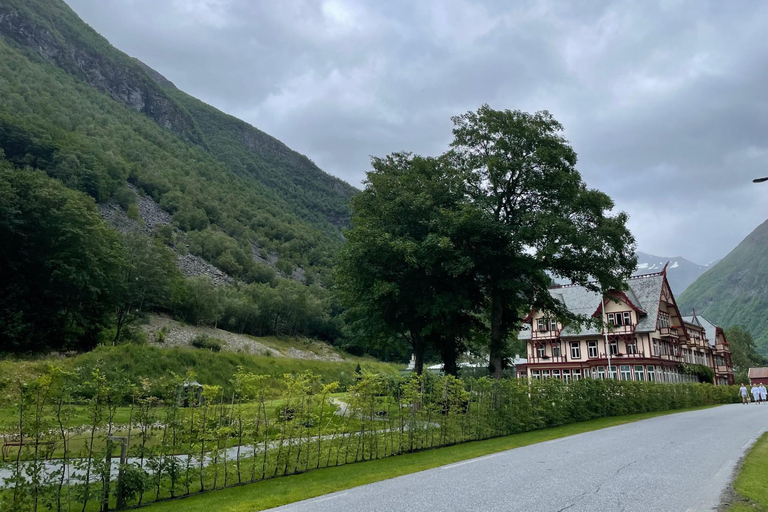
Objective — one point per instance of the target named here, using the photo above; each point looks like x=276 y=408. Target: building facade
x=646 y=339
x=758 y=376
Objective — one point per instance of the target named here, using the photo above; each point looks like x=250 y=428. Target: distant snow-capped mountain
x=680 y=272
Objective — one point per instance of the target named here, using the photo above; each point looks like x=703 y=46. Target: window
x=577 y=374
x=626 y=374
x=575 y=350
x=659 y=374
x=541 y=350
x=545 y=374
x=639 y=373
x=566 y=375
x=663 y=319
x=651 y=374
x=614 y=347
x=555 y=374
x=601 y=372
x=592 y=348
x=612 y=372
x=555 y=349
x=552 y=324
x=632 y=347
x=542 y=324
x=535 y=374
x=627 y=318
x=655 y=347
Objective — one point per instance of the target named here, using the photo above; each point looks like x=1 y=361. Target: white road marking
x=470 y=461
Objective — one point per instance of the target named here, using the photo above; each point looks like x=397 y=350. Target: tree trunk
x=449 y=355
x=497 y=336
x=418 y=353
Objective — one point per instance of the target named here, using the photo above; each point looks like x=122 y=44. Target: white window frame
x=566 y=375
x=535 y=374
x=576 y=374
x=590 y=352
x=627 y=372
x=639 y=372
x=627 y=317
x=541 y=350
x=612 y=374
x=555 y=374
x=613 y=346
x=601 y=372
x=541 y=324
x=575 y=350
x=651 y=373
x=556 y=352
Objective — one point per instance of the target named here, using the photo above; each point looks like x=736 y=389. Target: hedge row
x=248 y=436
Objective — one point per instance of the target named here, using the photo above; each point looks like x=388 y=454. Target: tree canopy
x=445 y=248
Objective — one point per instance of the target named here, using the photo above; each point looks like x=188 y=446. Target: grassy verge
x=751 y=485
x=281 y=491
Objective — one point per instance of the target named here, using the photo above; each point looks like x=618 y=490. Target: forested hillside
x=79 y=118
x=735 y=291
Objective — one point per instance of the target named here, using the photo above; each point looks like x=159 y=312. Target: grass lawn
x=281 y=491
x=751 y=485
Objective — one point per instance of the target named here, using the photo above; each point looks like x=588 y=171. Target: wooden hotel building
x=647 y=337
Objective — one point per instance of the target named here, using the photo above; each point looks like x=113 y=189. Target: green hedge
x=243 y=436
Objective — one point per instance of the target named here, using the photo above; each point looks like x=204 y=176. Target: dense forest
x=83 y=125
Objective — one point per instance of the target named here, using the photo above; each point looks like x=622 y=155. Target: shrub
x=207 y=342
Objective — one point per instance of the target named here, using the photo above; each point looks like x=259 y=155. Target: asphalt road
x=681 y=462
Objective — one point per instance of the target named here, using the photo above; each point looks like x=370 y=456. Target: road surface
x=681 y=462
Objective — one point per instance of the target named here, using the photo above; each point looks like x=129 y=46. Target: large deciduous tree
x=146 y=276
x=744 y=353
x=405 y=269
x=59 y=264
x=538 y=217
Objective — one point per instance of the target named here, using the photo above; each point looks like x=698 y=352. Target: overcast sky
x=666 y=104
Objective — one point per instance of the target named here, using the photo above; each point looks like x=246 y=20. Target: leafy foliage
x=206 y=342
x=444 y=249
x=217 y=175
x=743 y=352
x=247 y=437
x=60 y=265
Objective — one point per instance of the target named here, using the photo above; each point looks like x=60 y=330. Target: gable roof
x=710 y=329
x=758 y=373
x=644 y=293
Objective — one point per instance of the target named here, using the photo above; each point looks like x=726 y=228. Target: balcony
x=723 y=369
x=668 y=332
x=621 y=329
x=544 y=334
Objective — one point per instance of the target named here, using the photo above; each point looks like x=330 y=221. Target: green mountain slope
x=96 y=119
x=735 y=290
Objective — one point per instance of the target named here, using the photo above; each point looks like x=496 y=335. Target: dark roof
x=644 y=293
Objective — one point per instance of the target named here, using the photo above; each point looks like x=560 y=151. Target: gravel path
x=681 y=462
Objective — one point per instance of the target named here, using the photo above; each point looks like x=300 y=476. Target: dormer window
x=546 y=324
x=619 y=319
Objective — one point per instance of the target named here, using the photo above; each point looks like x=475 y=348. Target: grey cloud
x=664 y=102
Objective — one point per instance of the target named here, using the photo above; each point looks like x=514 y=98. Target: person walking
x=763 y=393
x=743 y=393
x=755 y=394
